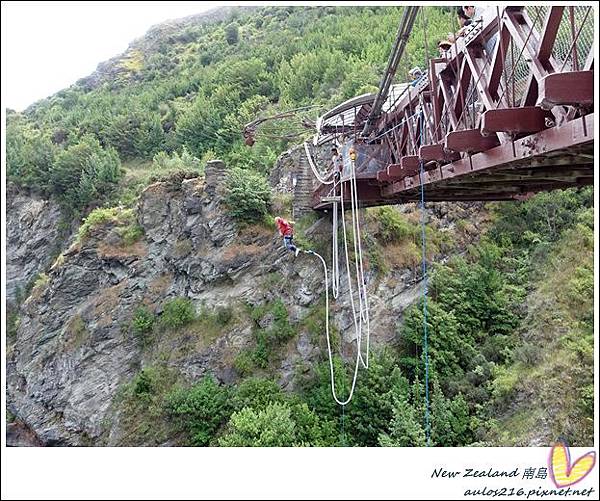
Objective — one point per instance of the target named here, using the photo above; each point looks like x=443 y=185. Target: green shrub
x=406 y=429
x=200 y=410
x=232 y=33
x=83 y=172
x=178 y=312
x=115 y=215
x=131 y=234
x=223 y=315
x=278 y=424
x=393 y=226
x=41 y=281
x=142 y=321
x=144 y=383
x=243 y=363
x=12 y=324
x=281 y=330
x=257 y=393
x=248 y=195
x=186 y=161
x=141 y=407
x=269 y=427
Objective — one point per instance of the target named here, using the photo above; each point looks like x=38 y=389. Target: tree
x=232 y=33
x=197 y=126
x=271 y=427
x=84 y=172
x=371 y=409
x=248 y=195
x=200 y=410
x=405 y=429
x=279 y=424
x=257 y=393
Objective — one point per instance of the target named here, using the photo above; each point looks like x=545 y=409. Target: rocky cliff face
x=33 y=238
x=74 y=348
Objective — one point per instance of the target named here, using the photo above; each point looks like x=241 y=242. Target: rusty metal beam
x=470 y=141
x=498 y=62
x=531 y=91
x=384 y=177
x=574 y=88
x=481 y=79
x=437 y=153
x=514 y=120
x=436 y=102
x=448 y=104
x=548 y=36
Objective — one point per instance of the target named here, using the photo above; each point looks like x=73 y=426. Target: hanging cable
x=424 y=275
x=362 y=316
x=314 y=167
x=329 y=351
x=360 y=274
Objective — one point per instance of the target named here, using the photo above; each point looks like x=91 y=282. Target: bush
x=30 y=155
x=142 y=321
x=243 y=363
x=257 y=393
x=178 y=312
x=232 y=33
x=406 y=429
x=393 y=226
x=248 y=195
x=101 y=216
x=270 y=427
x=131 y=234
x=200 y=410
x=278 y=424
x=223 y=315
x=84 y=172
x=267 y=339
x=371 y=409
x=144 y=383
x=141 y=407
x=186 y=161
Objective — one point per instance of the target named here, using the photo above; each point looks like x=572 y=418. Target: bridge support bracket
x=527 y=119
x=572 y=88
x=470 y=141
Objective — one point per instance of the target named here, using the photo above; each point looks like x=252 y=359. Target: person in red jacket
x=287 y=232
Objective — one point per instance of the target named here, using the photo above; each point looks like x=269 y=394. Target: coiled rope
x=361 y=316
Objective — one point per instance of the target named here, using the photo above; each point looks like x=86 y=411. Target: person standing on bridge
x=463 y=22
x=444 y=47
x=337 y=164
x=474 y=13
x=415 y=74
x=287 y=232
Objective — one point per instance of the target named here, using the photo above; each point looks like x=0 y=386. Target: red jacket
x=285 y=228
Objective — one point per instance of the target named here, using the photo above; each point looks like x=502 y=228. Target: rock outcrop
x=33 y=238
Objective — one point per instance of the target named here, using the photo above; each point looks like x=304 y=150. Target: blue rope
x=424 y=272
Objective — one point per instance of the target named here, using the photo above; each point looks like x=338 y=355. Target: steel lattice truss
x=506 y=113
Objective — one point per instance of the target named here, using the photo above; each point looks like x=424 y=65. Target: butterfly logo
x=565 y=473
